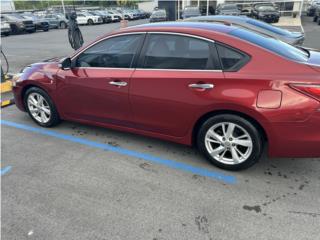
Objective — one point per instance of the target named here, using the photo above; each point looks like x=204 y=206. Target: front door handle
x=118 y=83
x=201 y=86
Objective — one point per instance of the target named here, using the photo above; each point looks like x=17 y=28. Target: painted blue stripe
x=167 y=162
x=5 y=170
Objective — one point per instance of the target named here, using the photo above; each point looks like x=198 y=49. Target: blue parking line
x=148 y=157
x=5 y=170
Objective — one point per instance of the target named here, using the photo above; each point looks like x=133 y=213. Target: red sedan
x=222 y=88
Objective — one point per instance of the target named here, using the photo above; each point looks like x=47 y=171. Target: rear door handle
x=201 y=86
x=118 y=83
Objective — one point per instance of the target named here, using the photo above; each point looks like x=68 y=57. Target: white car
x=5 y=28
x=115 y=17
x=87 y=18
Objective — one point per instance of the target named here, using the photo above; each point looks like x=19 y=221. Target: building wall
x=148 y=6
x=7 y=5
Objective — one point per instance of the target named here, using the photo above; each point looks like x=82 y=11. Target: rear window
x=271 y=44
x=268 y=27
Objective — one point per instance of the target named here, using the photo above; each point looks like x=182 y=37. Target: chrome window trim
x=182 y=70
x=105 y=38
x=183 y=34
x=149 y=69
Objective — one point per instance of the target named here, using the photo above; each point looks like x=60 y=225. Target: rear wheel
x=40 y=107
x=315 y=18
x=230 y=142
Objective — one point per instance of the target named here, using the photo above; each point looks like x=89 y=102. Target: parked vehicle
x=316 y=17
x=115 y=17
x=228 y=9
x=56 y=20
x=40 y=24
x=266 y=13
x=312 y=8
x=293 y=38
x=159 y=15
x=245 y=9
x=5 y=29
x=87 y=18
x=208 y=85
x=18 y=24
x=190 y=12
x=106 y=18
x=129 y=15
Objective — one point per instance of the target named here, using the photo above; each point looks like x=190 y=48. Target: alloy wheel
x=39 y=107
x=228 y=143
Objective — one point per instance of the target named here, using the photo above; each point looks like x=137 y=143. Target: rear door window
x=169 y=51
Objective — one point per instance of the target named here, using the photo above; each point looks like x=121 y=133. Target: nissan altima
x=224 y=89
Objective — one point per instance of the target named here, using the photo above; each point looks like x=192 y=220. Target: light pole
x=64 y=10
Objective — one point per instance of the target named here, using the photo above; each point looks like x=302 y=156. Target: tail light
x=312 y=90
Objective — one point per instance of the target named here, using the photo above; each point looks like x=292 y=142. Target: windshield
x=14 y=17
x=266 y=8
x=159 y=14
x=269 y=27
x=229 y=7
x=271 y=44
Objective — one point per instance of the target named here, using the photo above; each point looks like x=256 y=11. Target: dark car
x=293 y=38
x=40 y=24
x=266 y=13
x=18 y=24
x=228 y=9
x=190 y=12
x=316 y=17
x=159 y=15
x=228 y=91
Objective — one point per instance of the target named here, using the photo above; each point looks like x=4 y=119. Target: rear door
x=173 y=83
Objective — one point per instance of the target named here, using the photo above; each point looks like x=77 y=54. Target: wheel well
x=219 y=112
x=24 y=90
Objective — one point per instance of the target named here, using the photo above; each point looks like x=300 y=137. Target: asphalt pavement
x=81 y=182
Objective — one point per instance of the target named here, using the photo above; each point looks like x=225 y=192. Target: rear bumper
x=296 y=139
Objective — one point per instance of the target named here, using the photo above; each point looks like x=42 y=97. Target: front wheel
x=230 y=142
x=90 y=22
x=40 y=107
x=63 y=25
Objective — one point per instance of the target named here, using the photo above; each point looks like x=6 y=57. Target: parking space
x=82 y=182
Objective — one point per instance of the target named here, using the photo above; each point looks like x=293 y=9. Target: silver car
x=293 y=38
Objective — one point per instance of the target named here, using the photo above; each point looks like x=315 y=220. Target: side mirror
x=65 y=63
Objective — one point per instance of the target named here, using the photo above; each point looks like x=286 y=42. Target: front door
x=96 y=88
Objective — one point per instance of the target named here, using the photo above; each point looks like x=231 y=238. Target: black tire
x=63 y=25
x=318 y=21
x=46 y=30
x=255 y=135
x=54 y=117
x=90 y=22
x=315 y=18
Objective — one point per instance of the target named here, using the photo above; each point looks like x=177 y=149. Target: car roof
x=190 y=25
x=221 y=18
